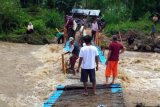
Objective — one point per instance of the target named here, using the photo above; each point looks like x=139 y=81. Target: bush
x=39 y=27
x=11 y=16
x=116 y=14
x=53 y=19
x=142 y=25
x=20 y=31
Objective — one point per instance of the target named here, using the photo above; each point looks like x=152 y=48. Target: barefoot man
x=115 y=48
x=88 y=58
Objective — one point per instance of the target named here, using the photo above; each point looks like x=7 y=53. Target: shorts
x=112 y=67
x=88 y=72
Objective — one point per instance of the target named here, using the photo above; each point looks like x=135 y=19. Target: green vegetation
x=46 y=15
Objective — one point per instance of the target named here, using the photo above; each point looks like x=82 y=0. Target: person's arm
x=66 y=23
x=79 y=64
x=32 y=27
x=66 y=52
x=97 y=26
x=97 y=60
x=28 y=27
x=70 y=50
x=109 y=53
x=122 y=50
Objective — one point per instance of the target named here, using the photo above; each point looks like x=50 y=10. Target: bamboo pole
x=120 y=37
x=65 y=35
x=63 y=64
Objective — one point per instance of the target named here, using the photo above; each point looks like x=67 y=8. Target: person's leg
x=73 y=61
x=107 y=79
x=108 y=71
x=84 y=79
x=85 y=87
x=94 y=35
x=115 y=71
x=92 y=76
x=58 y=40
x=94 y=87
x=72 y=64
x=62 y=39
x=113 y=80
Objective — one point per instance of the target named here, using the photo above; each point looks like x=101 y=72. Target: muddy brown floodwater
x=30 y=73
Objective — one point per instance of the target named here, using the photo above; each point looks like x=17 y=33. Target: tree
x=51 y=4
x=65 y=6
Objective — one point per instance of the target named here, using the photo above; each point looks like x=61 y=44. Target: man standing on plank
x=88 y=58
x=115 y=48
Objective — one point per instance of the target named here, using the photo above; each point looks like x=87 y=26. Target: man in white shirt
x=88 y=60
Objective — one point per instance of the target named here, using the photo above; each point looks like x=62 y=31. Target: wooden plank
x=74 y=98
x=98 y=86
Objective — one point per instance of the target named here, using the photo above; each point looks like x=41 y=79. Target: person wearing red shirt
x=115 y=48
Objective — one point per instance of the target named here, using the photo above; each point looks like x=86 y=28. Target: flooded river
x=30 y=73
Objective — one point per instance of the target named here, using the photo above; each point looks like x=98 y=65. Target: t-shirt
x=115 y=48
x=69 y=23
x=88 y=53
x=94 y=26
x=30 y=27
x=59 y=35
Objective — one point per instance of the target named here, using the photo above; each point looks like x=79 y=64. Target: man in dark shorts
x=115 y=48
x=88 y=58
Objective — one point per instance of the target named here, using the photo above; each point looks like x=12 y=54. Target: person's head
x=94 y=21
x=114 y=38
x=30 y=23
x=87 y=39
x=71 y=40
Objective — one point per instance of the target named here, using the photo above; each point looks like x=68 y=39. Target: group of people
x=89 y=58
x=73 y=26
x=88 y=55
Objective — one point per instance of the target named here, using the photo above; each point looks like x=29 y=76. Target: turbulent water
x=30 y=73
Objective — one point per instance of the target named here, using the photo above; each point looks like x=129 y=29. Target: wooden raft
x=72 y=97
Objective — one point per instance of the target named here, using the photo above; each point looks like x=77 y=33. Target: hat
x=71 y=39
